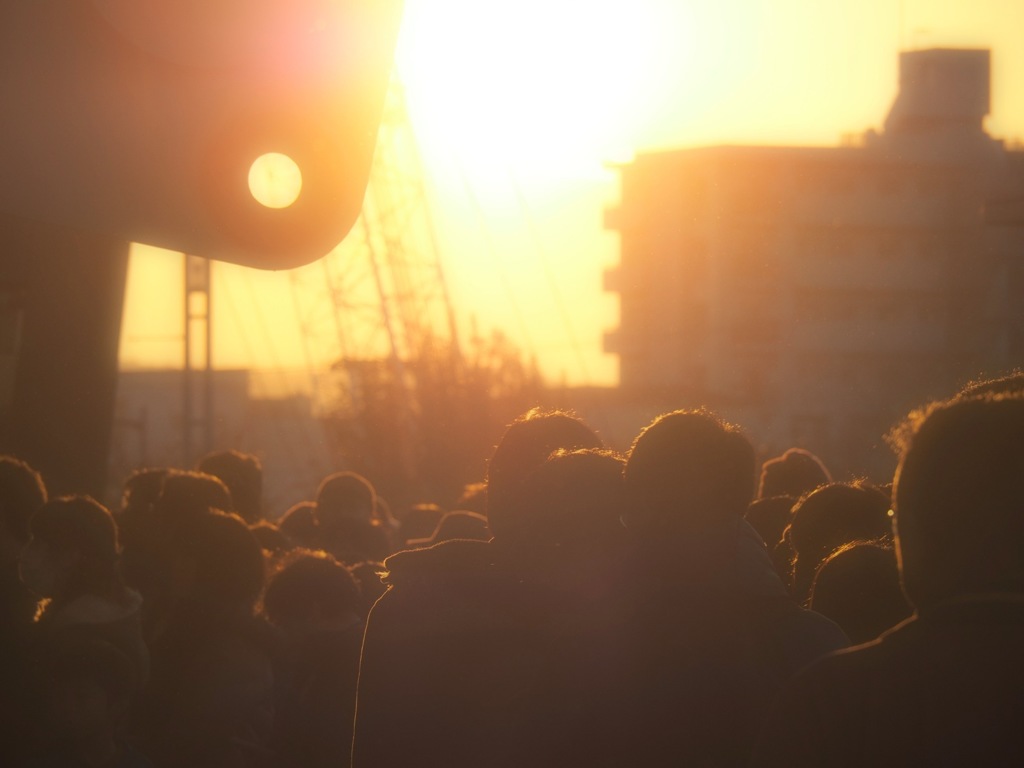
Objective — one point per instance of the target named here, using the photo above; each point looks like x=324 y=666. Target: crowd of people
x=676 y=606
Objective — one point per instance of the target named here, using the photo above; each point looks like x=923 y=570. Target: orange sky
x=517 y=107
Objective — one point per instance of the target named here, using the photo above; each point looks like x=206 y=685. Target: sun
x=544 y=86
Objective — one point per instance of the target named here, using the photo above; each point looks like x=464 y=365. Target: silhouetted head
x=22 y=492
x=311 y=590
x=347 y=525
x=73 y=550
x=243 y=475
x=795 y=473
x=959 y=499
x=383 y=514
x=420 y=521
x=1010 y=384
x=526 y=444
x=220 y=561
x=352 y=541
x=140 y=493
x=834 y=515
x=186 y=493
x=573 y=503
x=688 y=470
x=271 y=540
x=299 y=524
x=344 y=495
x=858 y=587
x=770 y=516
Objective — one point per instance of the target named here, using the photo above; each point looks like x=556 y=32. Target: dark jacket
x=118 y=623
x=456 y=661
x=716 y=636
x=314 y=718
x=944 y=688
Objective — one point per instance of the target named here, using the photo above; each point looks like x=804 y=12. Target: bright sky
x=518 y=106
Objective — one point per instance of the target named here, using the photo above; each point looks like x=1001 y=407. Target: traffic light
x=145 y=119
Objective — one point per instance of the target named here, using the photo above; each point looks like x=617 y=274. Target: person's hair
x=525 y=445
x=22 y=492
x=688 y=469
x=81 y=525
x=1010 y=384
x=351 y=540
x=310 y=584
x=141 y=491
x=770 y=516
x=344 y=495
x=187 y=493
x=858 y=587
x=795 y=473
x=959 y=493
x=299 y=524
x=243 y=476
x=575 y=498
x=830 y=517
x=270 y=538
x=228 y=560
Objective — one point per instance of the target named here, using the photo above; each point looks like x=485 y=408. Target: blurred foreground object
x=229 y=130
x=193 y=125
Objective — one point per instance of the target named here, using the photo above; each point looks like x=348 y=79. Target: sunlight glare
x=542 y=85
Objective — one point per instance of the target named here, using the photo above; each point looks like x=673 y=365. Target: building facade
x=816 y=294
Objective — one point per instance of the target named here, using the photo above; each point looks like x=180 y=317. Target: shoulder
x=842 y=673
x=424 y=584
x=92 y=609
x=821 y=715
x=449 y=559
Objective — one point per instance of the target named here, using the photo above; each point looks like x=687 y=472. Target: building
x=814 y=295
